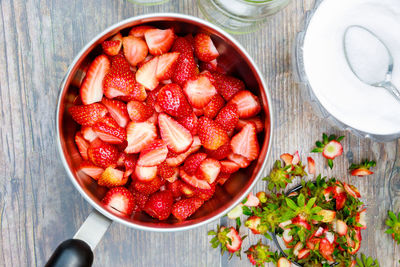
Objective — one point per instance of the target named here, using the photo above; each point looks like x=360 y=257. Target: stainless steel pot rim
x=59 y=146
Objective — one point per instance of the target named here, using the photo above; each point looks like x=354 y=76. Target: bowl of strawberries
x=164 y=122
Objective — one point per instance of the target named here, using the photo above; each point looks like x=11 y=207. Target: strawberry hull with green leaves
x=159 y=134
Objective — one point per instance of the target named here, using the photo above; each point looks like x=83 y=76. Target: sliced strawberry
x=91 y=90
x=177 y=159
x=150 y=187
x=248 y=104
x=190 y=122
x=205 y=194
x=361 y=218
x=221 y=153
x=82 y=145
x=153 y=154
x=211 y=134
x=340 y=200
x=283 y=262
x=311 y=165
x=193 y=180
x=159 y=41
x=110 y=133
x=187 y=190
x=297 y=248
x=296 y=158
x=102 y=154
x=228 y=166
x=236 y=240
x=204 y=47
x=166 y=66
x=135 y=49
x=327 y=215
x=129 y=163
x=223 y=177
x=186 y=67
x=153 y=119
x=227 y=86
x=117 y=110
x=120 y=199
x=88 y=133
x=228 y=117
x=119 y=82
x=145 y=174
x=140 y=200
x=177 y=137
x=90 y=169
x=286 y=236
x=199 y=91
x=88 y=115
x=112 y=177
x=172 y=100
x=332 y=150
x=193 y=162
x=326 y=249
x=167 y=172
x=361 y=172
x=111 y=47
x=245 y=143
x=303 y=253
x=159 y=205
x=340 y=227
x=147 y=74
x=287 y=158
x=210 y=66
x=352 y=190
x=251 y=200
x=139 y=31
x=209 y=170
x=256 y=120
x=214 y=106
x=175 y=188
x=186 y=207
x=139 y=134
x=139 y=111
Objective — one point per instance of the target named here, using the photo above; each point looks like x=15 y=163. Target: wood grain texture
x=39 y=206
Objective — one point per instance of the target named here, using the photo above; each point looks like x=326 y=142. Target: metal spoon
x=372 y=64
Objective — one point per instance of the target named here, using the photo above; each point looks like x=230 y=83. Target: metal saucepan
x=78 y=251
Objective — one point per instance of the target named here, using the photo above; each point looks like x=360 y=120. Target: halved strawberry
x=340 y=227
x=159 y=41
x=117 y=110
x=139 y=111
x=311 y=165
x=167 y=172
x=135 y=49
x=153 y=154
x=353 y=241
x=177 y=159
x=221 y=153
x=228 y=166
x=193 y=162
x=199 y=91
x=172 y=100
x=227 y=86
x=88 y=115
x=228 y=117
x=166 y=65
x=287 y=158
x=112 y=177
x=82 y=145
x=150 y=187
x=204 y=47
x=211 y=134
x=147 y=74
x=251 y=200
x=177 y=137
x=283 y=262
x=159 y=205
x=88 y=133
x=209 y=170
x=139 y=31
x=113 y=134
x=245 y=142
x=214 y=106
x=111 y=47
x=175 y=188
x=119 y=82
x=139 y=134
x=102 y=154
x=248 y=104
x=239 y=160
x=145 y=174
x=352 y=190
x=193 y=180
x=190 y=122
x=91 y=90
x=205 y=194
x=186 y=207
x=120 y=199
x=90 y=169
x=256 y=120
x=236 y=240
x=223 y=177
x=296 y=158
x=186 y=67
x=361 y=218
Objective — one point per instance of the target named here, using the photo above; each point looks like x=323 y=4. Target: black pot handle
x=71 y=253
x=78 y=252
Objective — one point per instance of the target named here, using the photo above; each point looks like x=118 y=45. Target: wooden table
x=39 y=206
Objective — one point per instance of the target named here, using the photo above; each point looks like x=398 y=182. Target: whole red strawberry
x=102 y=154
x=227 y=86
x=172 y=100
x=159 y=205
x=186 y=207
x=193 y=162
x=186 y=66
x=228 y=117
x=211 y=134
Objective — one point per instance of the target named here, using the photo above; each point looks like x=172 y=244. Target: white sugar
x=363 y=107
